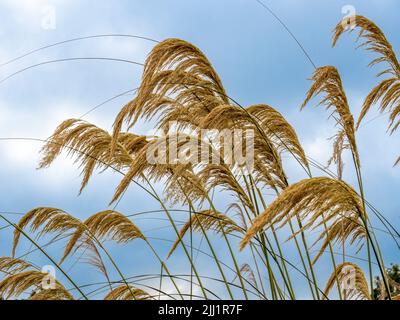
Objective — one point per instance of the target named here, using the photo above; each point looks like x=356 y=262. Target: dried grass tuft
x=327 y=81
x=314 y=201
x=352 y=279
x=17 y=284
x=127 y=293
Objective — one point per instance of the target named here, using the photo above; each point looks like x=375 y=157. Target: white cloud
x=31 y=16
x=318 y=148
x=23 y=155
x=135 y=49
x=31 y=8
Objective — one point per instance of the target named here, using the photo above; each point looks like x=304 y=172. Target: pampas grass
x=180 y=85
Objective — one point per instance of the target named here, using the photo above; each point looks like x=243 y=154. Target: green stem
x=263 y=238
x=364 y=219
x=230 y=250
x=164 y=266
x=177 y=233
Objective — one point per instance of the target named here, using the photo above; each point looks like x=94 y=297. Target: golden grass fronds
x=11 y=265
x=272 y=133
x=127 y=293
x=183 y=186
x=352 y=281
x=108 y=224
x=184 y=94
x=220 y=176
x=183 y=57
x=375 y=40
x=207 y=220
x=310 y=200
x=113 y=225
x=346 y=227
x=19 y=280
x=103 y=225
x=183 y=170
x=52 y=294
x=90 y=146
x=179 y=69
x=327 y=81
x=180 y=85
x=388 y=90
x=154 y=162
x=19 y=283
x=278 y=130
x=50 y=220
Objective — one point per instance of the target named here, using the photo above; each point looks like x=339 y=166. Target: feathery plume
x=103 y=225
x=127 y=293
x=349 y=274
x=17 y=284
x=11 y=265
x=327 y=81
x=339 y=145
x=271 y=134
x=113 y=225
x=50 y=220
x=345 y=227
x=178 y=69
x=310 y=200
x=90 y=146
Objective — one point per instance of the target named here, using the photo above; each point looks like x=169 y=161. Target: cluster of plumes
x=183 y=93
x=351 y=280
x=155 y=163
x=180 y=87
x=88 y=235
x=316 y=201
x=24 y=279
x=182 y=90
x=388 y=90
x=101 y=226
x=178 y=79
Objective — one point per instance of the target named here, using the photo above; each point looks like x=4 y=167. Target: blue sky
x=255 y=57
